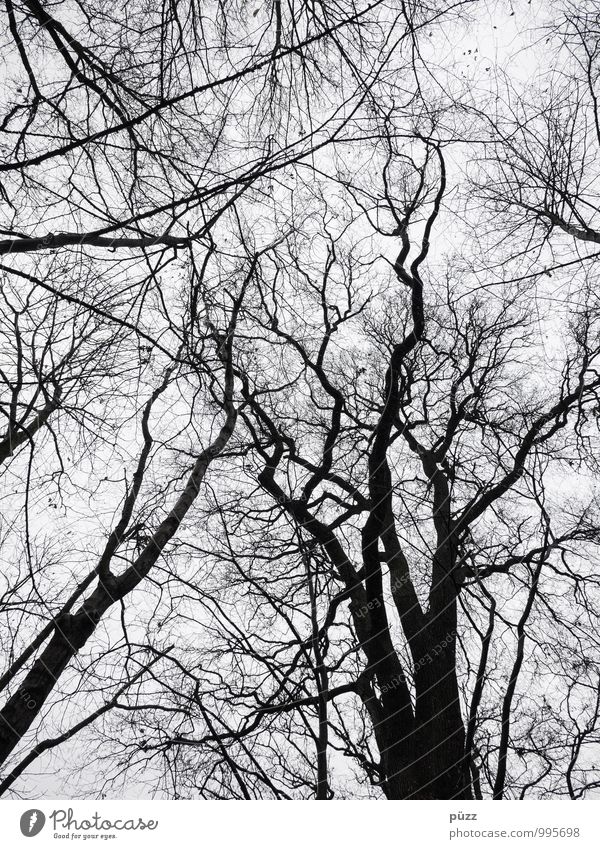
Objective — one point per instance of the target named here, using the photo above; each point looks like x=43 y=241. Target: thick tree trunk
x=426 y=758
x=429 y=762
x=440 y=733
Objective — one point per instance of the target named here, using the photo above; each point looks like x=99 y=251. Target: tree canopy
x=300 y=369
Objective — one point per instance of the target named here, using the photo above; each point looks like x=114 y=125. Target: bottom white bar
x=298 y=825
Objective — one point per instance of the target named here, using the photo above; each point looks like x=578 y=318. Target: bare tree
x=316 y=427
x=402 y=391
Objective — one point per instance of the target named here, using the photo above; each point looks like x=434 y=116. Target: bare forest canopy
x=300 y=392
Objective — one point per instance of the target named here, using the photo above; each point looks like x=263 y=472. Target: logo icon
x=32 y=822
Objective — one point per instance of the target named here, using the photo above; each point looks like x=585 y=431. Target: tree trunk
x=427 y=760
